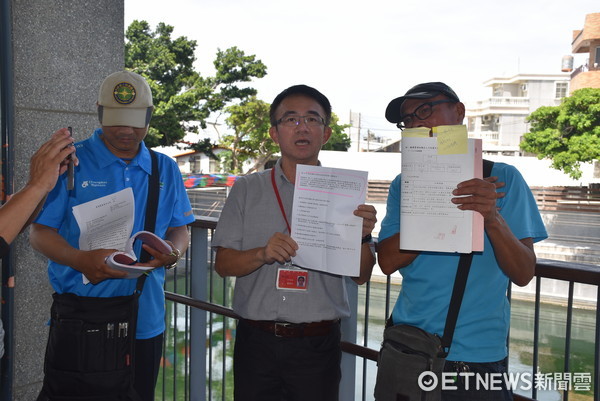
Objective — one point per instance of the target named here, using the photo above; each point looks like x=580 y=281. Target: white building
x=192 y=162
x=500 y=119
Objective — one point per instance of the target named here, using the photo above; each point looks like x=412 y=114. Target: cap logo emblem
x=124 y=93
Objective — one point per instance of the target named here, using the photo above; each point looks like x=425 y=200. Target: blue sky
x=361 y=54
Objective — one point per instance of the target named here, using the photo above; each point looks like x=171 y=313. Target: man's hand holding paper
x=92 y=265
x=280 y=248
x=369 y=215
x=479 y=195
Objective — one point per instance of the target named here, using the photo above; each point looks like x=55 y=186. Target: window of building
x=471 y=124
x=195 y=164
x=523 y=90
x=498 y=90
x=562 y=89
x=214 y=166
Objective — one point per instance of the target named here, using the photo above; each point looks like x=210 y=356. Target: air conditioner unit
x=486 y=118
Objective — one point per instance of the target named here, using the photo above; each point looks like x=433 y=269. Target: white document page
x=107 y=222
x=429 y=220
x=323 y=223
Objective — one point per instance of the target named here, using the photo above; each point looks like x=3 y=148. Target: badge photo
x=292 y=279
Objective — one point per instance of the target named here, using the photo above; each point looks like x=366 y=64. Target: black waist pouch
x=90 y=350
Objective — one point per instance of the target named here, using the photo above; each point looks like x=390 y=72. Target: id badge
x=292 y=279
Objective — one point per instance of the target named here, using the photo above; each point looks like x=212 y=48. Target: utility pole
x=352 y=126
x=351 y=119
x=358 y=143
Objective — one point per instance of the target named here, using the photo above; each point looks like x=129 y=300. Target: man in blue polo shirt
x=512 y=225
x=115 y=158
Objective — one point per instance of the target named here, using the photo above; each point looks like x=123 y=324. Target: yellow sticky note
x=451 y=139
x=417 y=132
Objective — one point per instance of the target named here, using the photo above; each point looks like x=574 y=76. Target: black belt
x=285 y=329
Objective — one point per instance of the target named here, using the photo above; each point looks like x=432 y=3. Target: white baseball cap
x=125 y=99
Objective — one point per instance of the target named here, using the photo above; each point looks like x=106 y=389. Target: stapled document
x=431 y=169
x=323 y=223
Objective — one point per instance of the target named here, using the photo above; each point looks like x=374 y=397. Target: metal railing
x=199 y=340
x=584 y=68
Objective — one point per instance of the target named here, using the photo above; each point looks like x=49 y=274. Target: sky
x=362 y=54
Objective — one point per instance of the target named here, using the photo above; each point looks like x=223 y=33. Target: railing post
x=596 y=377
x=199 y=273
x=349 y=330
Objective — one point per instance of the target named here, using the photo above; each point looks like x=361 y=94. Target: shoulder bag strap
x=460 y=282
x=151 y=209
x=487 y=168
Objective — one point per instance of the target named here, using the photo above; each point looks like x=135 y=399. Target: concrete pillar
x=62 y=50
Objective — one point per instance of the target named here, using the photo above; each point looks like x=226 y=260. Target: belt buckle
x=279 y=325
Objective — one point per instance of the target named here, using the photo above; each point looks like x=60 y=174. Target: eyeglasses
x=294 y=120
x=422 y=112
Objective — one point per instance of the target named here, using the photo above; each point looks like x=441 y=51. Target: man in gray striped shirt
x=288 y=340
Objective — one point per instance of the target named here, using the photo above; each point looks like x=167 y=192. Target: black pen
x=70 y=168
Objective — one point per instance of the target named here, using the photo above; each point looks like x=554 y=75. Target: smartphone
x=70 y=168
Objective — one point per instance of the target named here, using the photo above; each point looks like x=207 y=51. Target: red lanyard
x=279 y=200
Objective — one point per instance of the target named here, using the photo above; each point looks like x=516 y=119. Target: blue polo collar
x=105 y=157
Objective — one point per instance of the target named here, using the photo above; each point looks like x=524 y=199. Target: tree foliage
x=182 y=97
x=339 y=140
x=568 y=134
x=249 y=121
